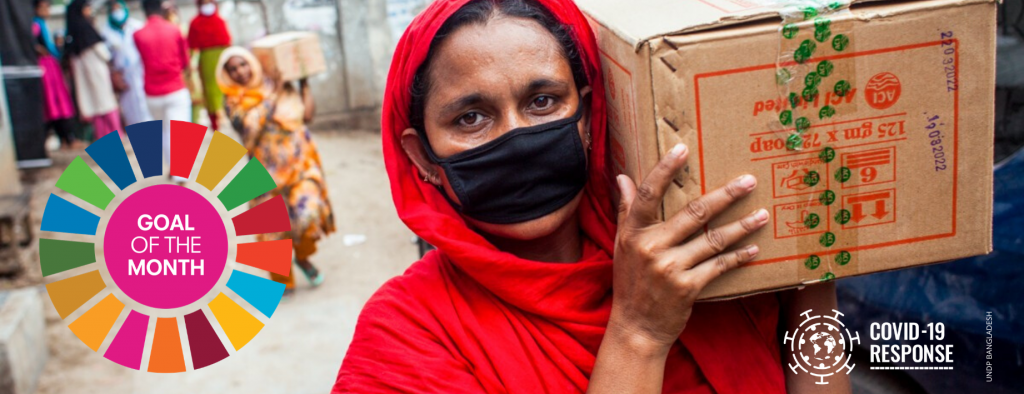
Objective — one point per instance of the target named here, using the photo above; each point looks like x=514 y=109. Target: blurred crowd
x=123 y=69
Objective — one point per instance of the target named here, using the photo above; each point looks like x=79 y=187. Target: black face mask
x=525 y=174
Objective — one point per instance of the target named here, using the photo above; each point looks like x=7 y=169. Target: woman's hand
x=657 y=276
x=659 y=271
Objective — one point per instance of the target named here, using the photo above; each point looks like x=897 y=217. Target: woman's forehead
x=505 y=51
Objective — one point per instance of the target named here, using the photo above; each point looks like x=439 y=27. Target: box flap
x=640 y=20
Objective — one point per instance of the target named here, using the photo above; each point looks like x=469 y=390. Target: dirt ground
x=301 y=347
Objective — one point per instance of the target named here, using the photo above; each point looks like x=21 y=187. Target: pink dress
x=58 y=103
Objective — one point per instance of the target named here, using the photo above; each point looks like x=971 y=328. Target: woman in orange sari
x=271 y=117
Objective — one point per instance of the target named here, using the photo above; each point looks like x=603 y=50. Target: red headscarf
x=208 y=31
x=471 y=318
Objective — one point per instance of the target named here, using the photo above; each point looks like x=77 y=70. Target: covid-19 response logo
x=821 y=346
x=167 y=286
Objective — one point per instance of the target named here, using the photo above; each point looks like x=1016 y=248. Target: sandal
x=314 y=276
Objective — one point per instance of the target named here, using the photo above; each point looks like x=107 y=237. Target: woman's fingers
x=700 y=211
x=714 y=267
x=646 y=203
x=715 y=241
x=627 y=192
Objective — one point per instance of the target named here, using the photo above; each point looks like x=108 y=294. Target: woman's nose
x=515 y=119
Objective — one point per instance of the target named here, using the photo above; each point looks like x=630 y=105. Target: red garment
x=470 y=318
x=164 y=56
x=208 y=31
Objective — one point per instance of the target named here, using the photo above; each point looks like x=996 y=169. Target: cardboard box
x=294 y=55
x=884 y=161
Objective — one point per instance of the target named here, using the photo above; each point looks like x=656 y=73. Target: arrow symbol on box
x=880 y=211
x=858 y=213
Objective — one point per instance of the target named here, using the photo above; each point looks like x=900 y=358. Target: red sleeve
x=227 y=33
x=397 y=347
x=192 y=36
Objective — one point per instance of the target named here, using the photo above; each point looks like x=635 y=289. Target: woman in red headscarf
x=208 y=34
x=494 y=140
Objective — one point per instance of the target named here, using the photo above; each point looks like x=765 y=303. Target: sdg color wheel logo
x=147 y=269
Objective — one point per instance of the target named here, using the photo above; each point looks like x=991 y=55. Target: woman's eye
x=471 y=119
x=542 y=102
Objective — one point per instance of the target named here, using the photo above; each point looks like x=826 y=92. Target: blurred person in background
x=192 y=78
x=58 y=108
x=208 y=34
x=170 y=12
x=272 y=118
x=90 y=70
x=128 y=74
x=164 y=54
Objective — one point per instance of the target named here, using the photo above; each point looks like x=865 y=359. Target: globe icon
x=823 y=344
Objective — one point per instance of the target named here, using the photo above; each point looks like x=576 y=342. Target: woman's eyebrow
x=462 y=102
x=543 y=83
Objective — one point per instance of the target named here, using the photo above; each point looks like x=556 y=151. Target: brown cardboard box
x=294 y=54
x=892 y=163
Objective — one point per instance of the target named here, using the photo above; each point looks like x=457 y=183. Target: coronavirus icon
x=821 y=346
